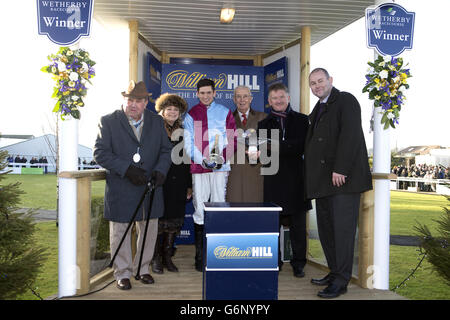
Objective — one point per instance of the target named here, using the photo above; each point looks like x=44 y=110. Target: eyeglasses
x=245 y=97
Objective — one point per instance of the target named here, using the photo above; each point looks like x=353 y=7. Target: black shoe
x=322 y=282
x=332 y=291
x=124 y=284
x=147 y=279
x=168 y=241
x=298 y=272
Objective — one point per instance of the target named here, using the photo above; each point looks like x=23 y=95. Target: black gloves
x=136 y=175
x=158 y=178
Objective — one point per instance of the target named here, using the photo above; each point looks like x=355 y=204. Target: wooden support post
x=258 y=61
x=305 y=48
x=133 y=58
x=365 y=235
x=83 y=233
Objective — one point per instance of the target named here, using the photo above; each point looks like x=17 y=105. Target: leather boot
x=198 y=233
x=157 y=266
x=168 y=240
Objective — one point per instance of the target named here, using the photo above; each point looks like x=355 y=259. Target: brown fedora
x=136 y=90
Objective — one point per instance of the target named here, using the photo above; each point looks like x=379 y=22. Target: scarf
x=281 y=117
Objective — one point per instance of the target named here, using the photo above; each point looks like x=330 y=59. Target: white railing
x=439 y=186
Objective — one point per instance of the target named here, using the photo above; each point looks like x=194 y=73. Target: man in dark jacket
x=337 y=172
x=285 y=187
x=133 y=147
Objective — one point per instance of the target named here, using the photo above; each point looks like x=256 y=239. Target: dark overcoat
x=286 y=187
x=245 y=182
x=336 y=144
x=178 y=180
x=114 y=149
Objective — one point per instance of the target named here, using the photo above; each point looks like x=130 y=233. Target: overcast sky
x=26 y=107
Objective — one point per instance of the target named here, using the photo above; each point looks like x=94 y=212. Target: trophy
x=215 y=160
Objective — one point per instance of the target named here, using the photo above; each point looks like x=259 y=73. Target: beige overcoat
x=245 y=182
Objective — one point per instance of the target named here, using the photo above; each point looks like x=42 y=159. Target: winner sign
x=64 y=22
x=390 y=29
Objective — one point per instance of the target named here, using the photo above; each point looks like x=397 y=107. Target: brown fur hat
x=167 y=99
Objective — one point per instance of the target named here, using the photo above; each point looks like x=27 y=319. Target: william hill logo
x=224 y=252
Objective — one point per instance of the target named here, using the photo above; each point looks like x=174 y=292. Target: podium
x=241 y=251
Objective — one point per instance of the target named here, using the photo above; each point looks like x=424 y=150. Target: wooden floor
x=187 y=285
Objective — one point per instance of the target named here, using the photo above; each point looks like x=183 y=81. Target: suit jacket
x=286 y=187
x=336 y=144
x=245 y=183
x=114 y=149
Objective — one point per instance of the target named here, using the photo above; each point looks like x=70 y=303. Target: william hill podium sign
x=64 y=22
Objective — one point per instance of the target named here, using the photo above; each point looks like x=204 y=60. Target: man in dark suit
x=337 y=172
x=132 y=145
x=286 y=187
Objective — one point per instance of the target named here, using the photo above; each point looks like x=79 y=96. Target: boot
x=168 y=241
x=157 y=266
x=198 y=233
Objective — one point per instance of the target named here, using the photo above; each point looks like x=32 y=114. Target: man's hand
x=338 y=179
x=158 y=178
x=136 y=175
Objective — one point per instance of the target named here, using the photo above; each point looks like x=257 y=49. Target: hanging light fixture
x=227 y=14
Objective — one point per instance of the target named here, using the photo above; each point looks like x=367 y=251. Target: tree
x=437 y=249
x=20 y=258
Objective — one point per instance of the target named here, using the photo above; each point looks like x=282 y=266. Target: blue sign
x=242 y=251
x=182 y=79
x=390 y=29
x=274 y=72
x=152 y=79
x=64 y=22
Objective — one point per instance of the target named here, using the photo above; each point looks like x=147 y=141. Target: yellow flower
x=390 y=110
x=394 y=106
x=71 y=84
x=66 y=93
x=403 y=75
x=377 y=97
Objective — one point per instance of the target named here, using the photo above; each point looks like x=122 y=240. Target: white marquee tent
x=44 y=146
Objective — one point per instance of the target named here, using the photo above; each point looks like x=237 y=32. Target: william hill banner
x=182 y=79
x=242 y=252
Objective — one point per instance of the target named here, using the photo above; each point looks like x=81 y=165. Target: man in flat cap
x=132 y=145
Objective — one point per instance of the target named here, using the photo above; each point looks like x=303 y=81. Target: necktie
x=244 y=120
x=319 y=113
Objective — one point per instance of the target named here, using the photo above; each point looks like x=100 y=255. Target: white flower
x=75 y=98
x=402 y=89
x=61 y=66
x=384 y=74
x=390 y=116
x=387 y=58
x=73 y=76
x=382 y=64
x=84 y=67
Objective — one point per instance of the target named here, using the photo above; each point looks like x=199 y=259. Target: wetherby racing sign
x=390 y=29
x=64 y=22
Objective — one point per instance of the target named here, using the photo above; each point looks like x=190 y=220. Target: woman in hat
x=178 y=185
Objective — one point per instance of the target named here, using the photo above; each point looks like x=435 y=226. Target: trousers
x=337 y=219
x=124 y=264
x=206 y=187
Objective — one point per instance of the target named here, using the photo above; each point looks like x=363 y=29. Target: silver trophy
x=215 y=160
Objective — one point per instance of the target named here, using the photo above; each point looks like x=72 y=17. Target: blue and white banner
x=242 y=252
x=64 y=22
x=182 y=79
x=390 y=29
x=152 y=78
x=275 y=72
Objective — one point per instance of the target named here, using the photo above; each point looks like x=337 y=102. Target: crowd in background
x=421 y=171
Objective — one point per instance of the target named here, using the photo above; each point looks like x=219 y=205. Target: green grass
x=46 y=284
x=407 y=209
x=40 y=190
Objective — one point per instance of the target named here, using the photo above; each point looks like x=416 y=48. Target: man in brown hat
x=133 y=147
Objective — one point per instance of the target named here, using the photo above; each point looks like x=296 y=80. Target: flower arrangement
x=72 y=69
x=387 y=84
